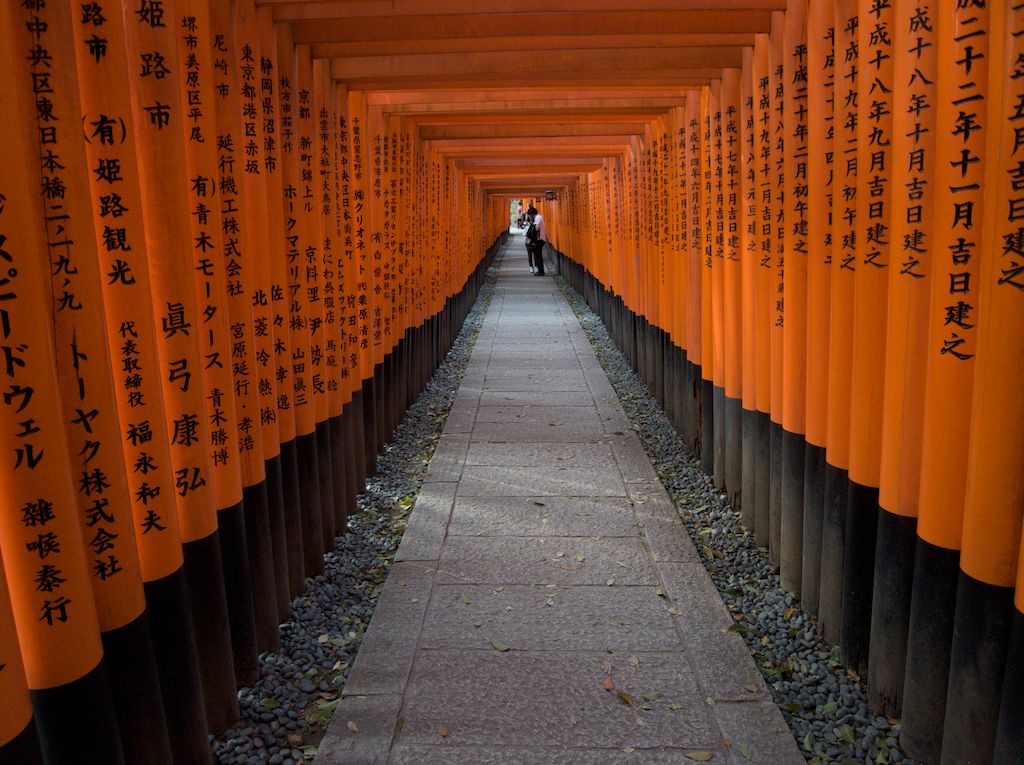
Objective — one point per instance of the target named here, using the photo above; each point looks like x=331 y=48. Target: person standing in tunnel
x=536 y=244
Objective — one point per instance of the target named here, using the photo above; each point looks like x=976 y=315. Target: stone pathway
x=546 y=604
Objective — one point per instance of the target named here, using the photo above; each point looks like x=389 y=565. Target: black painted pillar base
x=23 y=749
x=929 y=642
x=324 y=472
x=775 y=497
x=977 y=665
x=1010 y=733
x=733 y=451
x=833 y=553
x=76 y=721
x=718 y=423
x=814 y=516
x=351 y=463
x=670 y=381
x=278 y=535
x=858 y=576
x=359 y=441
x=791 y=550
x=261 y=566
x=204 y=578
x=369 y=428
x=340 y=473
x=309 y=496
x=748 y=467
x=293 y=518
x=890 y=611
x=234 y=550
x=379 y=405
x=691 y=427
x=706 y=440
x=762 y=477
x=174 y=645
x=135 y=688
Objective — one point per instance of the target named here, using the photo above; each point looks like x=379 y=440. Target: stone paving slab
x=536 y=398
x=540 y=454
x=576 y=384
x=554 y=618
x=542 y=517
x=487 y=755
x=545 y=481
x=536 y=560
x=520 y=698
x=428 y=523
x=536 y=415
x=542 y=526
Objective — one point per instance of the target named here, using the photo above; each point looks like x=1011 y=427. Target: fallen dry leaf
x=625 y=698
x=442 y=730
x=352 y=726
x=699 y=756
x=609 y=684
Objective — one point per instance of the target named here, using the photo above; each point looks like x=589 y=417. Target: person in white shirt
x=537 y=250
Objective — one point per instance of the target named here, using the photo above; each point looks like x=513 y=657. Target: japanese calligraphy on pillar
x=298 y=320
x=1010 y=216
x=821 y=187
x=961 y=123
x=159 y=143
x=124 y=271
x=44 y=559
x=874 y=159
x=196 y=82
x=280 y=303
x=83 y=363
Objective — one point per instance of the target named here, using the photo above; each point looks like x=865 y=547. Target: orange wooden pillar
x=694 y=257
x=19 y=741
x=1003 y=294
x=264 y=220
x=840 y=343
x=325 y=146
x=962 y=35
x=363 y=269
x=209 y=145
x=874 y=207
x=280 y=304
x=45 y=566
x=707 y=423
x=795 y=244
x=980 y=655
x=716 y=271
x=86 y=384
x=131 y=337
x=913 y=169
x=764 y=190
x=749 y=222
x=821 y=191
x=780 y=145
x=161 y=172
x=732 y=284
x=299 y=316
x=312 y=275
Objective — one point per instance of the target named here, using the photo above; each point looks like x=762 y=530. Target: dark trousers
x=537 y=257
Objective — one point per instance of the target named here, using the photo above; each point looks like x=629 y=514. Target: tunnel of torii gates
x=237 y=239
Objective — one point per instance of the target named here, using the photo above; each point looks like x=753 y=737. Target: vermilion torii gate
x=238 y=237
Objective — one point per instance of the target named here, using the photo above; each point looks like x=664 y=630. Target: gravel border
x=285 y=714
x=824 y=704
